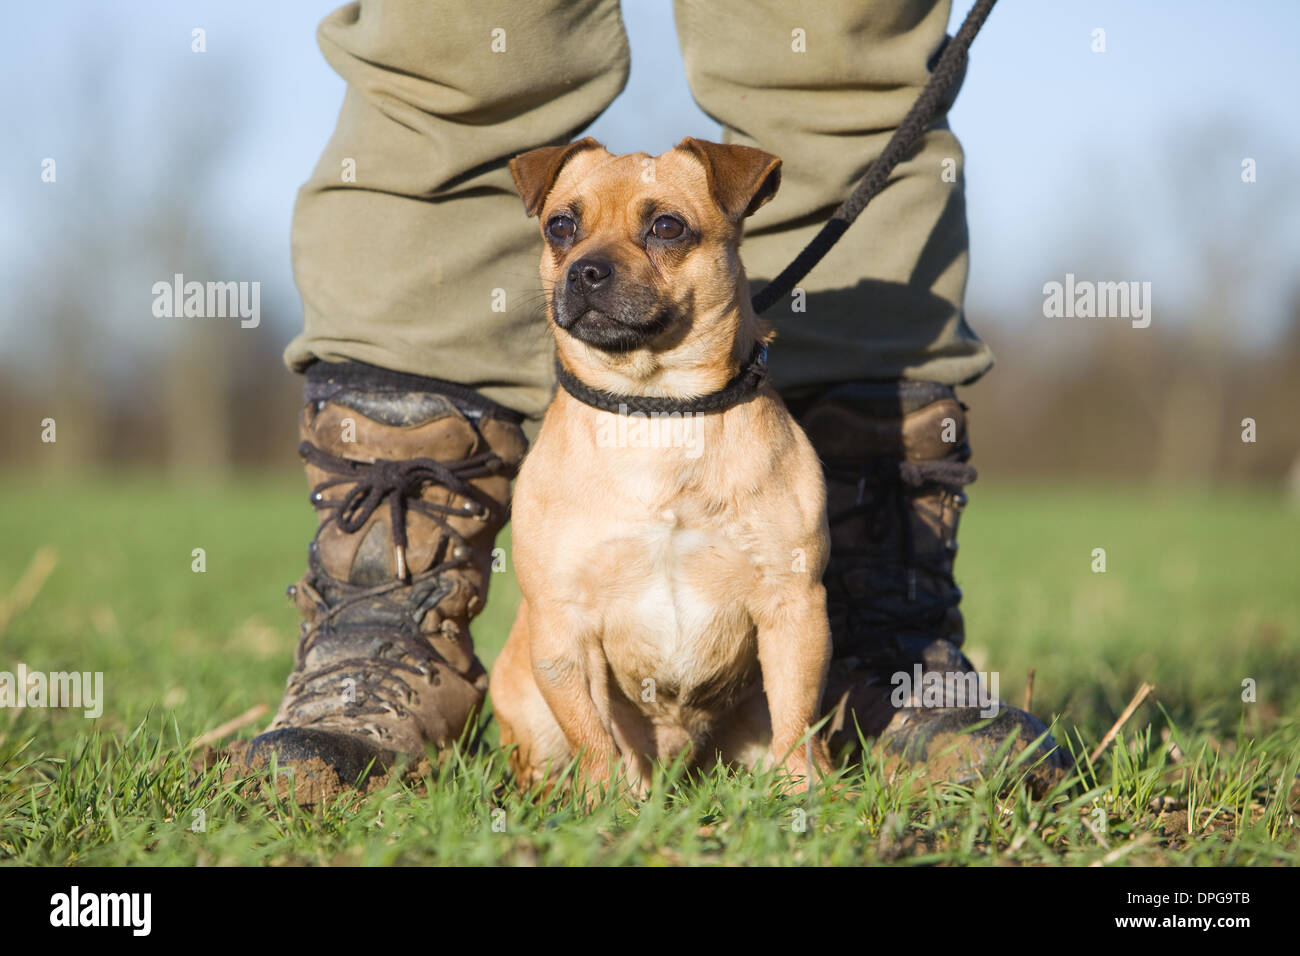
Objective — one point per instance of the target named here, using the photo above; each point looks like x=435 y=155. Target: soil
x=309 y=783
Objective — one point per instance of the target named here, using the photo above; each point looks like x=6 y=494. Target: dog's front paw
x=612 y=777
x=806 y=765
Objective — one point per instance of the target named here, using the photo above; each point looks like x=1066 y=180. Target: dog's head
x=641 y=252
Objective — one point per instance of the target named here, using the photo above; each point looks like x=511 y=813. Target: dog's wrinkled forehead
x=607 y=188
x=713 y=180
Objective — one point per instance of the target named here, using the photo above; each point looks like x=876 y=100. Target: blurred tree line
x=1078 y=398
x=1095 y=398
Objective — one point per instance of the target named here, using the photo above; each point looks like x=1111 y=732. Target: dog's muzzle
x=590 y=306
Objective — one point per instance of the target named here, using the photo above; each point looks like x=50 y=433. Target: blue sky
x=1076 y=161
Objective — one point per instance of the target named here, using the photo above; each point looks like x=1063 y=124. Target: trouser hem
x=326 y=379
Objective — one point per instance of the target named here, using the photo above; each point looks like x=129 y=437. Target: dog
x=671 y=576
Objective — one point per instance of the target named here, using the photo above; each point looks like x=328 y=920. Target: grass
x=1199 y=595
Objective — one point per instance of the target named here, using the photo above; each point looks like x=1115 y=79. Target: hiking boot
x=896 y=462
x=411 y=479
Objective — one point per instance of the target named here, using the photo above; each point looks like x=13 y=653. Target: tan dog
x=671 y=568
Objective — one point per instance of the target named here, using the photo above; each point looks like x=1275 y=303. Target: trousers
x=412 y=252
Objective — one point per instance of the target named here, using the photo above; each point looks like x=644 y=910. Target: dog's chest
x=676 y=624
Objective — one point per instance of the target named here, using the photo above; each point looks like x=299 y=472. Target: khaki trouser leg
x=410 y=247
x=886 y=303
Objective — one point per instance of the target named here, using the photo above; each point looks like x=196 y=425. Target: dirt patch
x=307 y=782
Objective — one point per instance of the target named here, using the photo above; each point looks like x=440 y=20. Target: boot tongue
x=847 y=430
x=841 y=433
x=374 y=562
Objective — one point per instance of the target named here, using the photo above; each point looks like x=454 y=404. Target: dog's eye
x=561 y=227
x=667 y=227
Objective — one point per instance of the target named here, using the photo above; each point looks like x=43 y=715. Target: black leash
x=750 y=378
x=951 y=63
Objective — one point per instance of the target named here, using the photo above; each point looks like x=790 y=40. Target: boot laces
x=401 y=483
x=380 y=686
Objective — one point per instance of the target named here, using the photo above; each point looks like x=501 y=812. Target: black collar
x=745 y=383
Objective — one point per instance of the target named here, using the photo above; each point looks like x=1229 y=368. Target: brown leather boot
x=411 y=480
x=895 y=457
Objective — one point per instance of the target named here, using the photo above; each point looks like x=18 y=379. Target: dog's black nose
x=586 y=275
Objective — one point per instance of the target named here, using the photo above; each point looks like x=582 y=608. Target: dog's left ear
x=534 y=172
x=741 y=178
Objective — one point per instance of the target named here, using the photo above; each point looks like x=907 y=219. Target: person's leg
x=823 y=85
x=425 y=349
x=409 y=247
x=870 y=345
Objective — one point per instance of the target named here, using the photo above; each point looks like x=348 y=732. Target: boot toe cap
x=351 y=758
x=960 y=744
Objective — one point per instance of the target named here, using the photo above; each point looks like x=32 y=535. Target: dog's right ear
x=534 y=172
